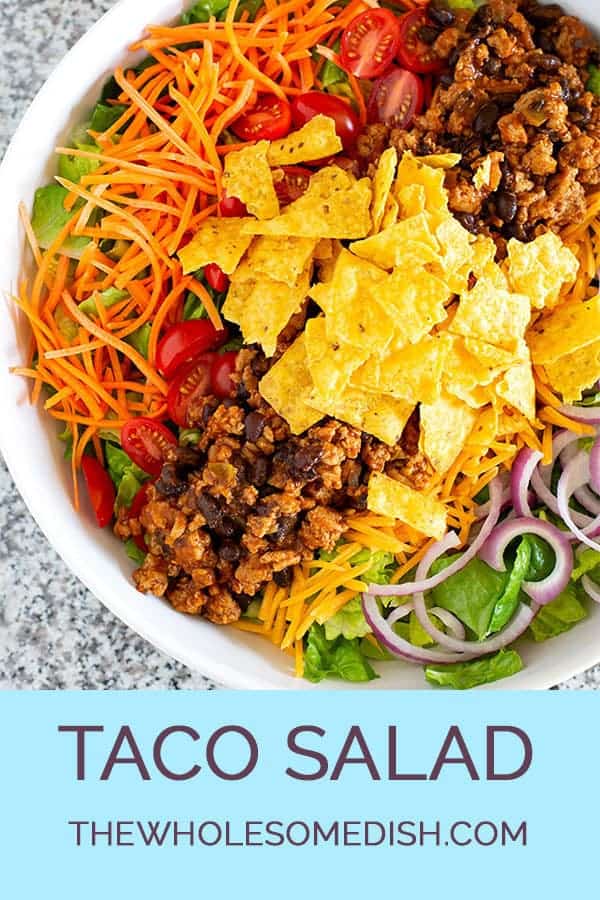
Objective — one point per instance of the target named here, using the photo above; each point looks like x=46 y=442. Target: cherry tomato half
x=370 y=43
x=232 y=207
x=147 y=442
x=413 y=53
x=269 y=120
x=216 y=277
x=396 y=98
x=100 y=488
x=184 y=341
x=292 y=183
x=314 y=103
x=222 y=369
x=190 y=383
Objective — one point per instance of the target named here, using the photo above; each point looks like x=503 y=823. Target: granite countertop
x=54 y=634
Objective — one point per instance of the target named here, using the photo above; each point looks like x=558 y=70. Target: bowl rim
x=223 y=673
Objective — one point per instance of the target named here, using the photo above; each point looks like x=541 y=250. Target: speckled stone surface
x=53 y=633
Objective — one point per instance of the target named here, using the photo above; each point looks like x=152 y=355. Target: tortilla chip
x=335 y=205
x=517 y=388
x=541 y=268
x=324 y=249
x=413 y=373
x=315 y=140
x=280 y=258
x=445 y=426
x=247 y=176
x=415 y=300
x=407 y=243
x=330 y=362
x=287 y=385
x=575 y=372
x=390 y=215
x=383 y=417
x=568 y=328
x=495 y=358
x=263 y=308
x=413 y=171
x=219 y=241
x=485 y=429
x=382 y=185
x=440 y=160
x=411 y=200
x=456 y=258
x=391 y=498
x=492 y=315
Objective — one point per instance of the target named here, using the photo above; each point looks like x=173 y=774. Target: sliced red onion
x=588 y=414
x=426 y=584
x=595 y=466
x=523 y=468
x=451 y=621
x=483 y=510
x=574 y=476
x=399 y=613
x=548 y=588
x=542 y=475
x=588 y=499
x=591 y=588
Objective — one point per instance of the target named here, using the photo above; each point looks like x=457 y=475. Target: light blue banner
x=360 y=830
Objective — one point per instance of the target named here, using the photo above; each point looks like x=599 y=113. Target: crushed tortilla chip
x=383 y=417
x=445 y=426
x=490 y=314
x=413 y=373
x=287 y=385
x=315 y=140
x=280 y=258
x=390 y=214
x=248 y=177
x=575 y=372
x=382 y=185
x=517 y=388
x=541 y=268
x=413 y=171
x=415 y=299
x=330 y=362
x=567 y=328
x=407 y=243
x=411 y=200
x=440 y=160
x=335 y=205
x=219 y=241
x=422 y=512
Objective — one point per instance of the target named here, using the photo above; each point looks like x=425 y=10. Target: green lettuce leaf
x=105 y=115
x=127 y=477
x=49 y=217
x=509 y=599
x=140 y=338
x=133 y=552
x=372 y=649
x=593 y=82
x=586 y=562
x=73 y=168
x=349 y=622
x=193 y=307
x=560 y=615
x=462 y=676
x=542 y=559
x=381 y=569
x=470 y=594
x=189 y=437
x=204 y=9
x=334 y=659
x=110 y=297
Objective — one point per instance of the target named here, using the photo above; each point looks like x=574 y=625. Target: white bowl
x=34 y=456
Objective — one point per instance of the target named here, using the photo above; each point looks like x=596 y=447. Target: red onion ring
x=541 y=477
x=450 y=621
x=588 y=499
x=591 y=588
x=546 y=590
x=426 y=584
x=588 y=414
x=523 y=468
x=574 y=476
x=399 y=612
x=595 y=466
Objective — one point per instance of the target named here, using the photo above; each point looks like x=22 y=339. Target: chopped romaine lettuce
x=50 y=217
x=593 y=82
x=462 y=676
x=193 y=307
x=133 y=552
x=509 y=599
x=105 y=115
x=381 y=568
x=73 y=168
x=333 y=78
x=110 y=297
x=349 y=622
x=470 y=594
x=542 y=559
x=253 y=609
x=586 y=561
x=334 y=659
x=204 y=9
x=139 y=339
x=189 y=437
x=127 y=477
x=372 y=649
x=560 y=615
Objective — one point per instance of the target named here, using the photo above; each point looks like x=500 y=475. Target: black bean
x=492 y=66
x=187 y=458
x=283 y=578
x=257 y=472
x=549 y=63
x=506 y=206
x=285 y=526
x=482 y=18
x=229 y=551
x=546 y=14
x=428 y=34
x=545 y=43
x=468 y=221
x=506 y=100
x=486 y=118
x=446 y=79
x=225 y=527
x=242 y=392
x=581 y=115
x=210 y=509
x=305 y=461
x=243 y=601
x=516 y=230
x=170 y=483
x=454 y=57
x=254 y=425
x=442 y=17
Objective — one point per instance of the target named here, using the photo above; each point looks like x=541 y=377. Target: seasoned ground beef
x=514 y=89
x=252 y=500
